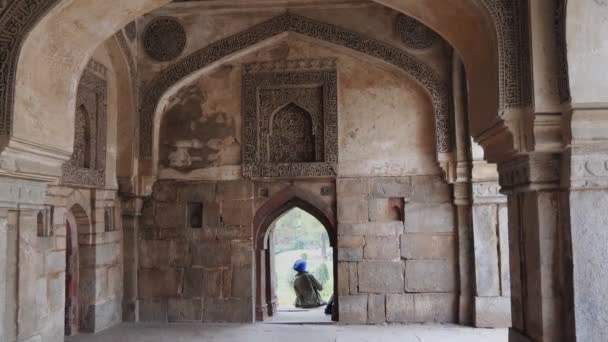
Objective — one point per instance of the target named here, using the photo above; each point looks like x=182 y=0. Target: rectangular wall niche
x=195 y=215
x=290 y=118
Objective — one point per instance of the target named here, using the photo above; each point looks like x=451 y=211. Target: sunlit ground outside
x=298 y=235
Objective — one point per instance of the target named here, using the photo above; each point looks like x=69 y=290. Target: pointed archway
x=275 y=207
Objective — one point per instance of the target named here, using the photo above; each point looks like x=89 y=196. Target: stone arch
x=422 y=73
x=275 y=207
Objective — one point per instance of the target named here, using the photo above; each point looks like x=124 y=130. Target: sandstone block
x=400 y=308
x=115 y=283
x=349 y=241
x=380 y=276
x=430 y=276
x=56 y=292
x=212 y=283
x=55 y=262
x=154 y=253
x=391 y=187
x=165 y=191
x=242 y=283
x=427 y=218
x=435 y=307
x=430 y=189
x=353 y=209
x=370 y=229
x=211 y=215
x=233 y=310
x=170 y=215
x=153 y=310
x=234 y=233
x=487 y=272
x=376 y=309
x=343 y=277
x=193 y=283
x=386 y=248
x=492 y=312
x=428 y=246
x=157 y=283
x=237 y=213
x=235 y=190
x=185 y=310
x=350 y=254
x=197 y=192
x=352 y=186
x=353 y=278
x=227 y=283
x=102 y=315
x=241 y=253
x=210 y=254
x=386 y=209
x=353 y=309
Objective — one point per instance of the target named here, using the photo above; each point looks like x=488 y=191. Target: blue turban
x=300 y=266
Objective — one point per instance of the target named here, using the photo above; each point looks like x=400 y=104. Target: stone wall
x=396 y=250
x=201 y=273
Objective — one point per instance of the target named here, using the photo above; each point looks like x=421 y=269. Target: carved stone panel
x=87 y=166
x=290 y=119
x=164 y=39
x=414 y=34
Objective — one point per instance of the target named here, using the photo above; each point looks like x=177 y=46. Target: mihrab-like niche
x=290 y=119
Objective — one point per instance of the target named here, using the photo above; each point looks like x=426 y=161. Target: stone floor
x=290 y=315
x=289 y=332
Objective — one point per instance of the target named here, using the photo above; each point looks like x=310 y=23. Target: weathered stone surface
x=212 y=283
x=343 y=278
x=165 y=191
x=170 y=215
x=428 y=246
x=391 y=187
x=185 y=310
x=349 y=241
x=429 y=218
x=98 y=317
x=115 y=282
x=400 y=308
x=352 y=186
x=193 y=283
x=353 y=309
x=211 y=215
x=353 y=278
x=158 y=283
x=485 y=241
x=370 y=229
x=353 y=209
x=235 y=190
x=386 y=248
x=430 y=189
x=56 y=292
x=153 y=310
x=242 y=282
x=380 y=276
x=227 y=283
x=210 y=254
x=376 y=309
x=492 y=312
x=55 y=262
x=97 y=255
x=241 y=253
x=435 y=307
x=237 y=212
x=154 y=253
x=233 y=310
x=196 y=192
x=386 y=209
x=430 y=275
x=350 y=254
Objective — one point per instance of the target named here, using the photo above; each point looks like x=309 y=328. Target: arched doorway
x=265 y=221
x=77 y=221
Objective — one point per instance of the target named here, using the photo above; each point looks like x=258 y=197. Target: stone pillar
x=490 y=230
x=3 y=268
x=131 y=214
x=537 y=253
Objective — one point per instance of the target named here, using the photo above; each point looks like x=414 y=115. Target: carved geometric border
x=17 y=18
x=439 y=90
x=292 y=74
x=74 y=174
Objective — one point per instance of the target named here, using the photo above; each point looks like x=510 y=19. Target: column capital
x=532 y=172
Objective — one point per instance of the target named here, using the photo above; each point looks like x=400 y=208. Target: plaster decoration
x=512 y=30
x=87 y=165
x=290 y=119
x=164 y=39
x=197 y=133
x=438 y=89
x=414 y=34
x=563 y=78
x=131 y=31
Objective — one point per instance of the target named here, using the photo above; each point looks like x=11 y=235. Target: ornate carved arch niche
x=290 y=118
x=87 y=165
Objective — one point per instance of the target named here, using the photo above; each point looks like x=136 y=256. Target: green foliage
x=298 y=230
x=322 y=274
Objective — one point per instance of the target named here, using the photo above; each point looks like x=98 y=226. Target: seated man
x=307 y=287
